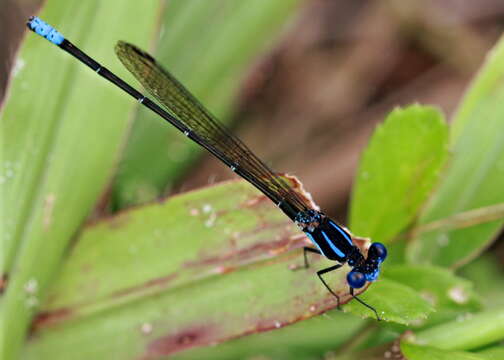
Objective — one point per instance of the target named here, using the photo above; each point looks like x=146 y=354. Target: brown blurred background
x=311 y=104
x=342 y=64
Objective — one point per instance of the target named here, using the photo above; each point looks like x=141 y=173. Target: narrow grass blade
x=63 y=128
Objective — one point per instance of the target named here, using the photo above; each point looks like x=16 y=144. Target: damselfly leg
x=365 y=304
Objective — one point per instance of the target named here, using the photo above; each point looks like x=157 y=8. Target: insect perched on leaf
x=181 y=109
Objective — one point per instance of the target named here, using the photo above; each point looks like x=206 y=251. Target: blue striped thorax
x=335 y=243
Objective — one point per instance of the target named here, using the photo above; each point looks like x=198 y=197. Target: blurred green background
x=303 y=83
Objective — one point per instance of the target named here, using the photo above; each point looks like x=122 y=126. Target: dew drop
x=18 y=66
x=458 y=295
x=31 y=286
x=146 y=328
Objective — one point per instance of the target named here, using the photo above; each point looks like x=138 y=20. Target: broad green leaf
x=397 y=172
x=421 y=352
x=486 y=274
x=472 y=182
x=470 y=332
x=393 y=302
x=63 y=127
x=208 y=46
x=493 y=353
x=449 y=294
x=164 y=276
x=395 y=252
x=309 y=339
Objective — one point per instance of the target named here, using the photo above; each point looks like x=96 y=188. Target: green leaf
x=470 y=332
x=393 y=302
x=164 y=276
x=493 y=353
x=473 y=179
x=449 y=294
x=309 y=339
x=420 y=352
x=208 y=46
x=62 y=128
x=486 y=273
x=397 y=172
x=488 y=81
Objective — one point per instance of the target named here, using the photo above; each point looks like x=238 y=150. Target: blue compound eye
x=378 y=251
x=356 y=279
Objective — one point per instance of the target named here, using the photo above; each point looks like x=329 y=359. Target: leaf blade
x=474 y=177
x=51 y=121
x=196 y=262
x=397 y=171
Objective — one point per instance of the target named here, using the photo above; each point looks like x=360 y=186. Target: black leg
x=366 y=305
x=326 y=270
x=309 y=249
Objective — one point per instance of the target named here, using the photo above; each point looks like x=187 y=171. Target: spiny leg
x=363 y=303
x=326 y=270
x=309 y=249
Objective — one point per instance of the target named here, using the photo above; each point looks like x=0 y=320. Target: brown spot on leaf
x=148 y=284
x=48 y=318
x=225 y=269
x=3 y=282
x=184 y=339
x=256 y=250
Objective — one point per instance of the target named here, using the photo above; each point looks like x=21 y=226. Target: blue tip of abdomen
x=45 y=30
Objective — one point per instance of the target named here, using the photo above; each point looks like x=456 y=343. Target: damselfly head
x=370 y=269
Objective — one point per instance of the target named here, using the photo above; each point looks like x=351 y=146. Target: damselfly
x=181 y=109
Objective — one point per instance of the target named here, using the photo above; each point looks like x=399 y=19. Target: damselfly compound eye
x=377 y=251
x=356 y=279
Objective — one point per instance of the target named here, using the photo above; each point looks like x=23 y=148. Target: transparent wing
x=178 y=101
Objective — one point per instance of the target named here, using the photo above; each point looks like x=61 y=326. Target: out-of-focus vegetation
x=207 y=273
